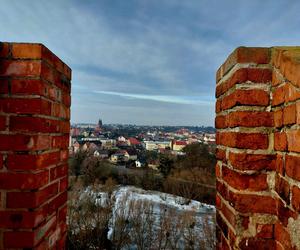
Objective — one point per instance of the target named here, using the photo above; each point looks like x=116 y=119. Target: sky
x=147 y=62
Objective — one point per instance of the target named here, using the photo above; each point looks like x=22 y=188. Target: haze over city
x=147 y=62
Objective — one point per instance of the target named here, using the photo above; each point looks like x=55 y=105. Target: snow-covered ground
x=125 y=196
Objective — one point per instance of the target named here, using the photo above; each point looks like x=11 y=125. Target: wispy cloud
x=191 y=100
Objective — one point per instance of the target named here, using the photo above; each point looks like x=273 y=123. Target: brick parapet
x=258 y=148
x=34 y=133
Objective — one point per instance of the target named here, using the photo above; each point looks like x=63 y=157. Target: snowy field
x=175 y=218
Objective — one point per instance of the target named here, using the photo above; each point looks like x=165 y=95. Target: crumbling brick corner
x=34 y=135
x=258 y=149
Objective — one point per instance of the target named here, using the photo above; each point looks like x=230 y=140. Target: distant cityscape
x=123 y=144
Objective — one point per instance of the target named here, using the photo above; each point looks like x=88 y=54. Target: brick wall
x=34 y=136
x=258 y=149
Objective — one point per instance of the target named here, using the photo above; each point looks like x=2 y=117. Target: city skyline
x=147 y=62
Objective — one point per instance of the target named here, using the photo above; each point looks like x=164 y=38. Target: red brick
x=4 y=50
x=218 y=171
x=278 y=96
x=279 y=164
x=282 y=187
x=284 y=213
x=222 y=224
x=222 y=189
x=25 y=106
x=57 y=202
x=63 y=184
x=28 y=239
x=20 y=68
x=66 y=99
x=256 y=243
x=254 y=182
x=243 y=140
x=289 y=114
x=34 y=124
x=282 y=236
x=277 y=78
x=291 y=93
x=31 y=199
x=242 y=75
x=280 y=141
x=26 y=51
x=23 y=181
x=60 y=141
x=296 y=198
x=298 y=112
x=53 y=60
x=253 y=97
x=64 y=155
x=244 y=55
x=278 y=118
x=220 y=154
x=32 y=162
x=21 y=142
x=293 y=137
x=252 y=203
x=21 y=219
x=4 y=86
x=250 y=119
x=28 y=87
x=265 y=231
x=58 y=172
x=292 y=164
x=2 y=123
x=220 y=121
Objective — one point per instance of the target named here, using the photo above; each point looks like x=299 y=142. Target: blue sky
x=147 y=61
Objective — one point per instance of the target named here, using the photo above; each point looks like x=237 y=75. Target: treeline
x=191 y=175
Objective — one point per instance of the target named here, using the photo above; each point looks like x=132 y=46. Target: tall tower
x=100 y=123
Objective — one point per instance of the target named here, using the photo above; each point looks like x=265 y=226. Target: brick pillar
x=258 y=146
x=34 y=135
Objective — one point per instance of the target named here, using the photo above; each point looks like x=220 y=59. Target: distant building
x=156 y=145
x=179 y=145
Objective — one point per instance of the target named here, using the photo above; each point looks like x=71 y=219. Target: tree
x=166 y=164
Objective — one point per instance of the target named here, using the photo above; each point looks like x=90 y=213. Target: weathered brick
x=278 y=118
x=32 y=161
x=252 y=97
x=292 y=164
x=265 y=231
x=20 y=68
x=21 y=219
x=254 y=182
x=244 y=55
x=31 y=199
x=250 y=119
x=253 y=203
x=257 y=243
x=26 y=51
x=289 y=114
x=25 y=106
x=20 y=142
x=296 y=198
x=255 y=75
x=293 y=138
x=23 y=181
x=278 y=96
x=280 y=141
x=4 y=50
x=282 y=187
x=282 y=236
x=243 y=140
